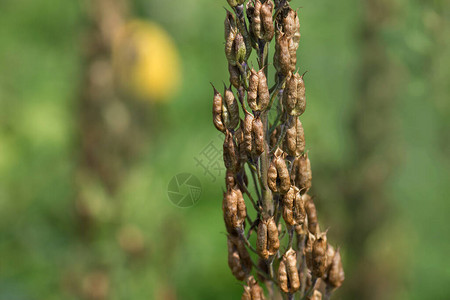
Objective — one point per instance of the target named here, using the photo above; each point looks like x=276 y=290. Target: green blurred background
x=84 y=166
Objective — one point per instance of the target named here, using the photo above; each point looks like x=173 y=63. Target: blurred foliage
x=42 y=255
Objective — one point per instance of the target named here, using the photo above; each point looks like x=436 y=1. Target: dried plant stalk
x=274 y=152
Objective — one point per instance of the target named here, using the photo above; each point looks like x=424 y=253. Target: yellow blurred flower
x=146 y=61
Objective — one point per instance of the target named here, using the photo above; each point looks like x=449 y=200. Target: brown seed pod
x=229 y=46
x=278 y=174
x=267 y=242
x=235 y=74
x=319 y=255
x=294 y=142
x=252 y=93
x=293 y=207
x=252 y=291
x=310 y=240
x=234 y=210
x=330 y=255
x=313 y=225
x=282 y=58
x=288 y=276
x=290 y=93
x=230 y=152
x=267 y=21
x=301 y=174
x=258 y=136
x=217 y=111
x=254 y=17
x=300 y=104
x=240 y=141
x=239 y=259
x=263 y=91
x=272 y=175
x=232 y=108
x=336 y=274
x=248 y=128
x=230 y=24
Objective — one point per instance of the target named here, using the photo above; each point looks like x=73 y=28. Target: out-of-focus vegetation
x=377 y=128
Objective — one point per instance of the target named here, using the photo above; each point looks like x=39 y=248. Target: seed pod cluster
x=267 y=242
x=273 y=150
x=235 y=48
x=234 y=210
x=253 y=135
x=287 y=38
x=294 y=207
x=252 y=291
x=294 y=142
x=288 y=276
x=261 y=20
x=278 y=175
x=258 y=96
x=294 y=99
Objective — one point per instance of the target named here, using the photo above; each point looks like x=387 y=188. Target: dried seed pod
x=254 y=17
x=248 y=140
x=252 y=93
x=229 y=45
x=263 y=91
x=282 y=58
x=252 y=291
x=230 y=24
x=240 y=141
x=313 y=225
x=278 y=174
x=288 y=276
x=258 y=136
x=302 y=229
x=234 y=210
x=295 y=138
x=310 y=240
x=235 y=74
x=300 y=104
x=336 y=274
x=272 y=175
x=316 y=295
x=319 y=255
x=217 y=111
x=232 y=108
x=267 y=21
x=239 y=259
x=293 y=207
x=290 y=93
x=267 y=242
x=301 y=174
x=230 y=152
